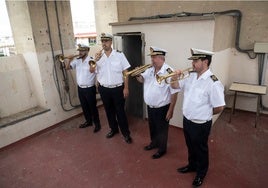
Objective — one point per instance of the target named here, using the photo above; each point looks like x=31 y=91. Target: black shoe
x=111 y=134
x=185 y=169
x=157 y=155
x=197 y=181
x=128 y=139
x=97 y=129
x=149 y=147
x=86 y=124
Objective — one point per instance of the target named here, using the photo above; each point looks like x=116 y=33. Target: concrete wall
x=105 y=13
x=16 y=91
x=29 y=77
x=254 y=20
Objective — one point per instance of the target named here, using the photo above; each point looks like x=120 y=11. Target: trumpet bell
x=138 y=70
x=185 y=73
x=61 y=57
x=92 y=63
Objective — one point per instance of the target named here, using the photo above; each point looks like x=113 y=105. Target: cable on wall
x=64 y=72
x=235 y=13
x=54 y=63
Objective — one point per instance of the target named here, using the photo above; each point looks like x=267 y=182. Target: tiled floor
x=71 y=157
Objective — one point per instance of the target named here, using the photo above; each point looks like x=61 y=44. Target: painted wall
x=177 y=38
x=254 y=28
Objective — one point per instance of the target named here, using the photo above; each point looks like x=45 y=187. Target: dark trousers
x=158 y=126
x=196 y=137
x=87 y=97
x=114 y=105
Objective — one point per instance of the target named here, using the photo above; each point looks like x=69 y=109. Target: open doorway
x=132 y=45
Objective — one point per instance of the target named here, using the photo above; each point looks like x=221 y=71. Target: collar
x=162 y=70
x=206 y=74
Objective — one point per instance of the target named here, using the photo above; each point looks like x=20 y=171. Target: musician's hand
x=125 y=92
x=97 y=56
x=177 y=75
x=169 y=114
x=139 y=78
x=92 y=69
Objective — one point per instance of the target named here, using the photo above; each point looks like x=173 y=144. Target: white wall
x=244 y=70
x=177 y=38
x=228 y=65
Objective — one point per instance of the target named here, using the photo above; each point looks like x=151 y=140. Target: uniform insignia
x=214 y=78
x=119 y=51
x=169 y=70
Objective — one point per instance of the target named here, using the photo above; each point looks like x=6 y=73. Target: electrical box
x=261 y=47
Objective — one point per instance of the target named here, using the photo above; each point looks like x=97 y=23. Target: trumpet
x=92 y=62
x=61 y=57
x=138 y=70
x=185 y=73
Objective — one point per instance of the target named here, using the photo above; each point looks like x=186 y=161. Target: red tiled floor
x=71 y=157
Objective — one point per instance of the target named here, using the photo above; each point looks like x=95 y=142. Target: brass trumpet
x=138 y=70
x=92 y=62
x=61 y=58
x=185 y=73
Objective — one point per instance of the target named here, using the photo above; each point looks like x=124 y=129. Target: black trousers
x=114 y=105
x=196 y=137
x=87 y=97
x=158 y=126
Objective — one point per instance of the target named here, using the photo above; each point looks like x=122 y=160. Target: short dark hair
x=208 y=57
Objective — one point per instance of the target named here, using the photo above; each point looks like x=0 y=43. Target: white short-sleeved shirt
x=155 y=94
x=201 y=96
x=83 y=76
x=110 y=69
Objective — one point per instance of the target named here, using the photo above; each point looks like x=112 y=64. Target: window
x=83 y=17
x=7 y=46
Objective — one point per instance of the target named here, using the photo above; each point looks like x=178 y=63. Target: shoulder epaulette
x=214 y=78
x=119 y=51
x=169 y=70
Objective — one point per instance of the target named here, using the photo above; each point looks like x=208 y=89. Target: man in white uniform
x=160 y=100
x=203 y=97
x=86 y=87
x=113 y=87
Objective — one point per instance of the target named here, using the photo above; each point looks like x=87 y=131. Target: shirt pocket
x=116 y=66
x=198 y=95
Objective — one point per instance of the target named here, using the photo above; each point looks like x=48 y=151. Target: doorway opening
x=132 y=45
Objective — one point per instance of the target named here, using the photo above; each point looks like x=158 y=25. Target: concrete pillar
x=30 y=29
x=105 y=13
